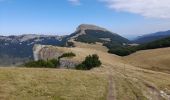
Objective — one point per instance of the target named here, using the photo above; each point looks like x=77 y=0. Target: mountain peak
x=83 y=27
x=89 y=33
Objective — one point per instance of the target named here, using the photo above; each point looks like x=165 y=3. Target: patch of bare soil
x=111 y=95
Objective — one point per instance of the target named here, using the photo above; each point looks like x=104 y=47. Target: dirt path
x=111 y=89
x=155 y=94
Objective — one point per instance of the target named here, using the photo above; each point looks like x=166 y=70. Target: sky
x=129 y=18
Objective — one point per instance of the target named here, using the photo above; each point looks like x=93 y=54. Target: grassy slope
x=156 y=59
x=129 y=82
x=51 y=84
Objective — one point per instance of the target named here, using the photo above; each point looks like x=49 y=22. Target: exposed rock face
x=36 y=50
x=67 y=63
x=46 y=52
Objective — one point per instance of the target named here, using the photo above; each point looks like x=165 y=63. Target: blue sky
x=61 y=17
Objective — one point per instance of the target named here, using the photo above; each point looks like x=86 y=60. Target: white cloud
x=147 y=8
x=74 y=2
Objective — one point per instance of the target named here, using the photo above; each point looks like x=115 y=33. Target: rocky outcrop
x=36 y=50
x=68 y=63
x=46 y=52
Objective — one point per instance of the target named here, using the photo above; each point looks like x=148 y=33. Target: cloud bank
x=147 y=8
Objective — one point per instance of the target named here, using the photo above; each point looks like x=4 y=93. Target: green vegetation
x=69 y=54
x=70 y=44
x=117 y=44
x=90 y=62
x=121 y=51
x=93 y=36
x=156 y=44
x=53 y=63
x=108 y=39
x=126 y=50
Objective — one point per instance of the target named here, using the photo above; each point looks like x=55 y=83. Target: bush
x=70 y=44
x=80 y=67
x=119 y=51
x=54 y=63
x=70 y=54
x=90 y=62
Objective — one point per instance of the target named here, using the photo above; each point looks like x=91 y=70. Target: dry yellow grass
x=156 y=59
x=51 y=84
x=82 y=50
x=128 y=82
x=139 y=84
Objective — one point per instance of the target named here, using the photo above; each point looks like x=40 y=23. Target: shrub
x=69 y=54
x=90 y=62
x=54 y=63
x=80 y=67
x=70 y=44
x=120 y=51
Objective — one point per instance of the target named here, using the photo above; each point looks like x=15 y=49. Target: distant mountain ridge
x=16 y=48
x=26 y=37
x=20 y=47
x=152 y=37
